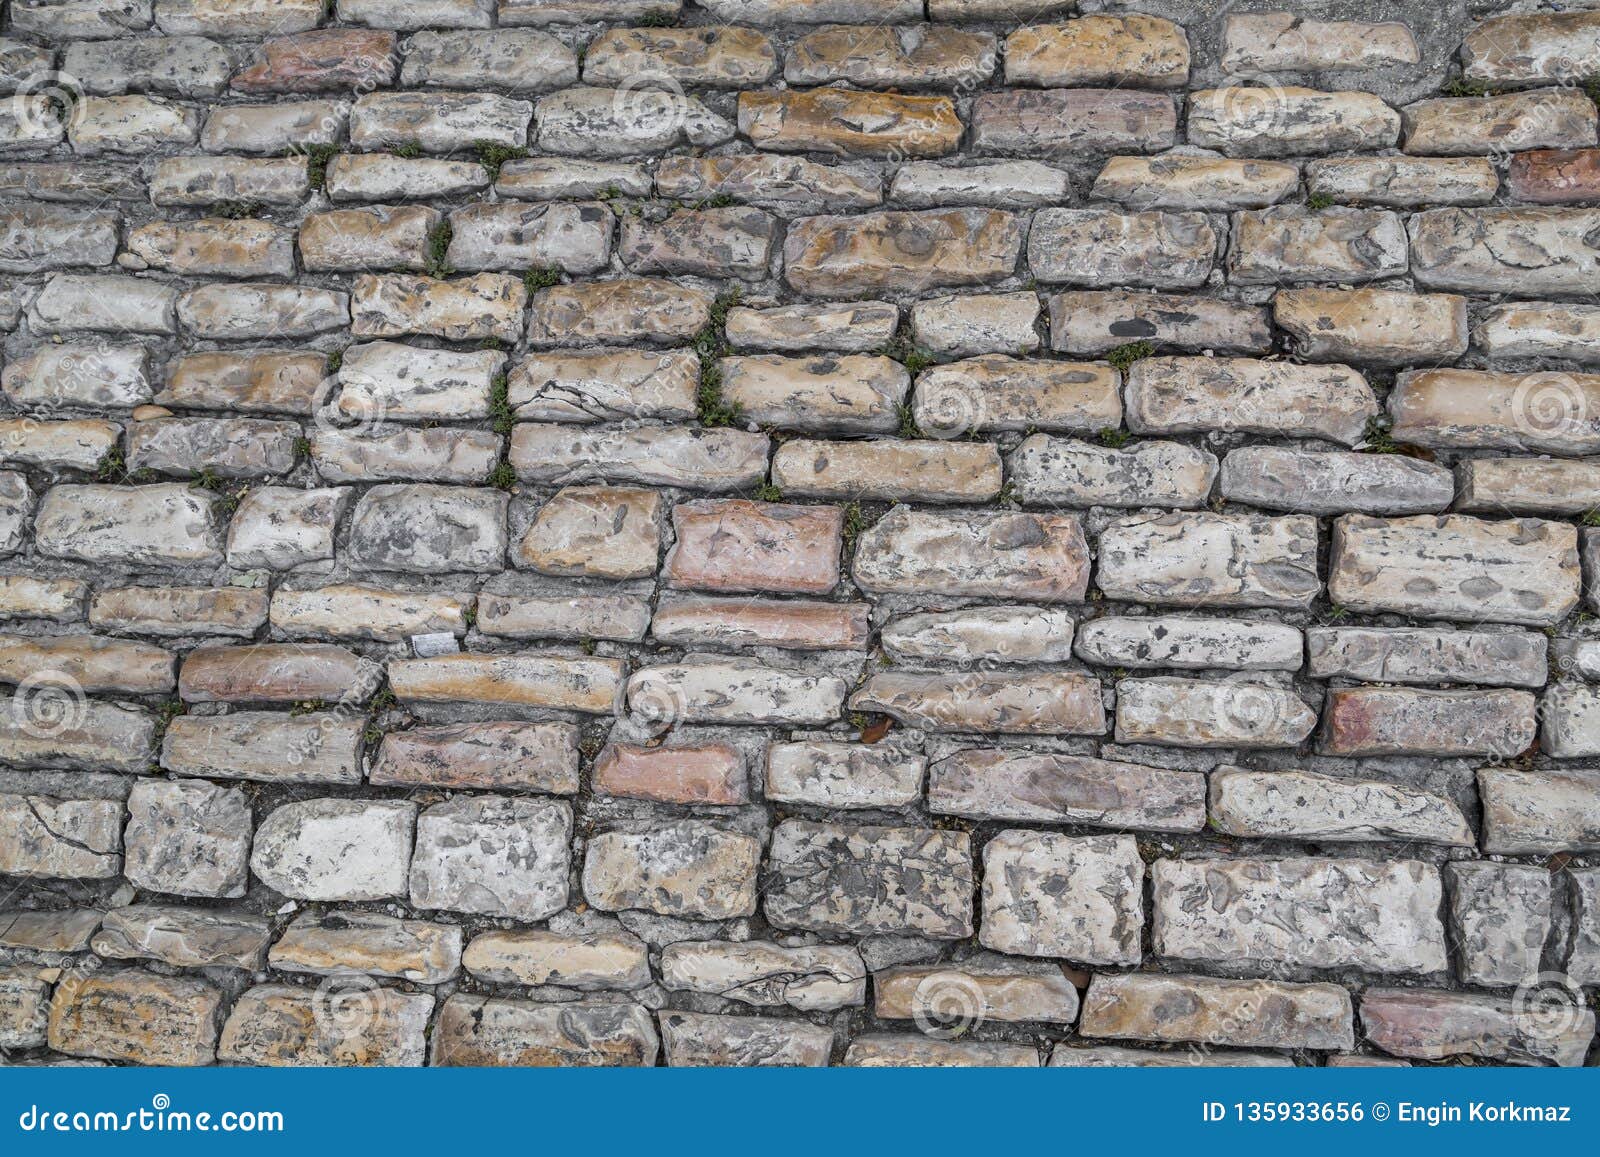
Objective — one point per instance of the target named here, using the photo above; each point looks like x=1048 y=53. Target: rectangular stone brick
x=1289 y=245
x=1286 y=42
x=485 y=305
x=843 y=775
x=1098 y=247
x=1069 y=472
x=711 y=773
x=1544 y=119
x=710 y=1039
x=1176 y=395
x=848 y=123
x=1454 y=566
x=777 y=181
x=1305 y=913
x=740 y=545
x=493 y=855
x=353 y=611
x=1060 y=123
x=795 y=624
x=1189 y=643
x=571 y=618
x=1208 y=713
x=888 y=252
x=1500 y=920
x=689 y=868
x=693 y=458
x=1436 y=1025
x=982 y=554
x=888 y=470
x=281 y=1025
x=625 y=310
x=1422 y=655
x=1540 y=486
x=709 y=690
x=591 y=122
x=268 y=746
x=1537 y=813
x=91 y=662
x=821 y=395
x=1289 y=804
x=810 y=978
x=585 y=961
x=1291 y=122
x=997 y=784
x=496 y=756
x=604 y=386
x=1334 y=481
x=480 y=1031
x=1404 y=182
x=1016 y=634
x=132 y=1016
x=1466 y=249
x=1372 y=325
x=1408 y=721
x=558 y=682
x=1076 y=898
x=1250 y=1013
x=993 y=392
x=68 y=839
x=867 y=880
x=95 y=736
x=1484 y=410
x=1017 y=702
x=1096 y=322
x=1213 y=560
x=184 y=937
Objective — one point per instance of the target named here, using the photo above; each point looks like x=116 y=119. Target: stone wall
x=799 y=531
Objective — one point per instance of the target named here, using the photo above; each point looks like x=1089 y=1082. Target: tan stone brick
x=734 y=545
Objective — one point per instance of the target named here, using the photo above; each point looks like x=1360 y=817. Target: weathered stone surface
x=200 y=182
x=1531 y=252
x=709 y=1039
x=90 y=374
x=1195 y=181
x=516 y=60
x=1095 y=322
x=553 y=178
x=627 y=309
x=994 y=783
x=1116 y=1057
x=1423 y=655
x=1454 y=566
x=1544 y=411
x=336 y=849
x=1137 y=50
x=593 y=122
x=92 y=662
x=24 y=597
x=1570 y=721
x=437 y=122
x=278 y=1024
x=714 y=242
x=163 y=525
x=722 y=56
x=901 y=252
x=429 y=529
x=41 y=836
x=213 y=246
x=1079 y=898
x=1546 y=119
x=353 y=611
x=1289 y=245
x=595 y=532
x=843 y=775
x=1210 y=560
x=1189 y=643
x=1404 y=182
x=688 y=868
x=66 y=930
x=1002 y=393
x=572 y=618
x=885 y=56
x=1539 y=329
x=1251 y=1013
x=796 y=624
x=128 y=1015
x=1334 y=482
x=184 y=937
x=36 y=237
x=71 y=302
x=1004 y=184
x=738 y=545
x=1068 y=472
x=599 y=386
x=1532 y=48
x=1289 y=121
x=1062 y=123
x=1196 y=395
x=512 y=680
x=428 y=455
x=592 y=961
x=369 y=943
x=695 y=459
x=1099 y=247
x=131 y=124
x=320 y=60
x=976 y=323
x=764 y=974
x=513 y=235
x=1211 y=713
x=1537 y=812
x=188 y=838
x=180 y=610
x=273 y=672
x=228 y=447
x=1583 y=965
x=1308 y=913
x=480 y=1031
x=912 y=1050
x=485 y=305
x=863 y=880
x=262 y=311
x=847 y=123
x=1015 y=702
x=1286 y=42
x=271 y=129
x=1290 y=804
x=888 y=470
x=382 y=177
x=263 y=745
x=251 y=381
x=279 y=527
x=1373 y=326
x=822 y=395
x=540 y=757
x=991 y=988
x=733 y=691
x=1407 y=721
x=1554 y=177
x=368 y=237
x=773 y=181
x=983 y=554
x=708 y=774
x=856 y=327
x=46 y=725
x=1434 y=1025
x=493 y=855
x=1500 y=919
x=74 y=444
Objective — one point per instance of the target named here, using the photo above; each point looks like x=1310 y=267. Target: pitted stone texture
x=370 y=943
x=70 y=839
x=429 y=529
x=128 y=1015
x=1528 y=252
x=169 y=524
x=1286 y=42
x=530 y=680
x=277 y=1024
x=843 y=775
x=1290 y=121
x=1453 y=566
x=1545 y=119
x=592 y=122
x=882 y=56
x=1537 y=813
x=1095 y=322
x=540 y=757
x=725 y=55
x=888 y=470
x=1410 y=721
x=1251 y=1013
x=1099 y=247
x=966 y=637
x=993 y=392
x=1067 y=472
x=1062 y=123
x=1211 y=713
x=1189 y=643
x=1542 y=411
x=1434 y=1025
x=588 y=962
x=184 y=937
x=595 y=532
x=1078 y=898
x=336 y=849
x=847 y=123
x=1303 y=805
x=1424 y=655
x=693 y=458
x=1334 y=482
x=1404 y=182
x=189 y=839
x=1273 y=399
x=710 y=1039
x=821 y=395
x=1304 y=914
x=493 y=855
x=1500 y=917
x=865 y=880
x=763 y=974
x=985 y=554
x=481 y=1031
x=1211 y=560
x=1016 y=702
x=999 y=989
x=900 y=252
x=1373 y=325
x=689 y=868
